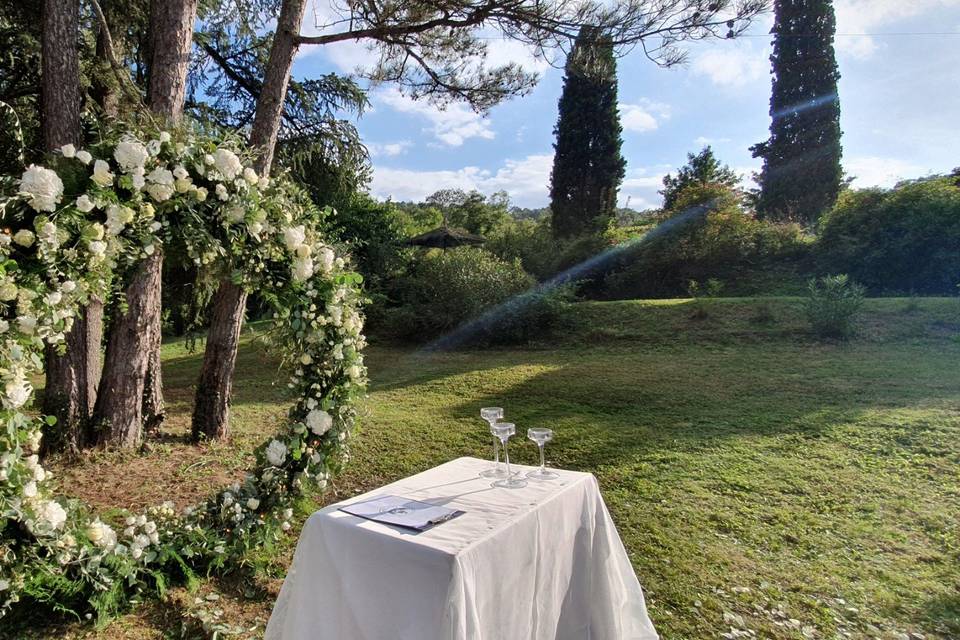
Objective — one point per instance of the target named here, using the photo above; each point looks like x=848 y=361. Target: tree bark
x=211 y=408
x=71 y=378
x=212 y=402
x=128 y=398
x=120 y=402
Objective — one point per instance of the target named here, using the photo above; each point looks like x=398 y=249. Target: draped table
x=543 y=562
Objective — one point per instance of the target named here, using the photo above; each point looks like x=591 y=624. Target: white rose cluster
x=42 y=187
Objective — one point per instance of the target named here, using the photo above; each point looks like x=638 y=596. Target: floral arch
x=93 y=213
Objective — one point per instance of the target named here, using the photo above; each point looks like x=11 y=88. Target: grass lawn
x=760 y=480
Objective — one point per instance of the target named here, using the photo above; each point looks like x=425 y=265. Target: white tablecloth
x=541 y=563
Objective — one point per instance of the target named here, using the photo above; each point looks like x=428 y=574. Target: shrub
x=530 y=241
x=720 y=241
x=903 y=240
x=525 y=318
x=832 y=305
x=446 y=288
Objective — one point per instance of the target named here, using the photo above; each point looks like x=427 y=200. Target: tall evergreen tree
x=801 y=174
x=701 y=168
x=587 y=166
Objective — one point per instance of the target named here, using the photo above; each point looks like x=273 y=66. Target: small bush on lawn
x=832 y=305
x=906 y=240
x=526 y=318
x=446 y=288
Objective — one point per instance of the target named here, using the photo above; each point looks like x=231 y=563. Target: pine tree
x=801 y=175
x=587 y=166
x=702 y=168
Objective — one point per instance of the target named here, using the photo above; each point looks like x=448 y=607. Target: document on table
x=402 y=512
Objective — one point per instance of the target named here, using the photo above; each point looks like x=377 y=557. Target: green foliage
x=471 y=211
x=588 y=166
x=529 y=241
x=701 y=169
x=448 y=288
x=720 y=240
x=801 y=175
x=832 y=305
x=903 y=240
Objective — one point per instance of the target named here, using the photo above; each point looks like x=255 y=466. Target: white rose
x=208 y=159
x=53 y=298
x=84 y=156
x=68 y=286
x=276 y=453
x=85 y=204
x=293 y=237
x=200 y=194
x=68 y=150
x=153 y=147
x=18 y=391
x=138 y=181
x=182 y=185
x=164 y=136
x=180 y=172
x=250 y=176
x=101 y=173
x=222 y=193
x=319 y=421
x=302 y=269
x=227 y=163
x=160 y=192
x=24 y=237
x=130 y=154
x=97 y=247
x=252 y=504
x=326 y=257
x=52 y=514
x=30 y=489
x=42 y=187
x=27 y=323
x=336 y=315
x=306 y=359
x=160 y=176
x=355 y=372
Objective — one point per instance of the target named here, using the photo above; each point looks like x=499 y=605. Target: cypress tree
x=801 y=175
x=587 y=165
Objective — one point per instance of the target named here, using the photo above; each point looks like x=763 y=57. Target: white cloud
x=644 y=116
x=452 y=126
x=388 y=149
x=503 y=51
x=733 y=64
x=526 y=180
x=640 y=188
x=876 y=171
x=703 y=141
x=865 y=16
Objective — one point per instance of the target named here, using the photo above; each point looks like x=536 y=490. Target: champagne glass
x=541 y=437
x=492 y=415
x=503 y=431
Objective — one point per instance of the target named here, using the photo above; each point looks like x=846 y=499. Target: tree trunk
x=212 y=403
x=127 y=398
x=119 y=405
x=105 y=88
x=211 y=408
x=71 y=379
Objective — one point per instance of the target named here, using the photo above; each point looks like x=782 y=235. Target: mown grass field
x=760 y=479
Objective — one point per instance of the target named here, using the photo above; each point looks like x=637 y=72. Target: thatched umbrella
x=445 y=237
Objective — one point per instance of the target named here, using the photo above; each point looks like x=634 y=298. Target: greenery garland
x=97 y=212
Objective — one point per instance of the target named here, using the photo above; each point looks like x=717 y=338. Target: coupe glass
x=492 y=415
x=541 y=437
x=503 y=431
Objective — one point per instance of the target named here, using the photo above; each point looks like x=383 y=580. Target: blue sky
x=899 y=100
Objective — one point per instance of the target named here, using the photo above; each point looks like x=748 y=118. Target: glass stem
x=506 y=457
x=496 y=450
x=543 y=464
